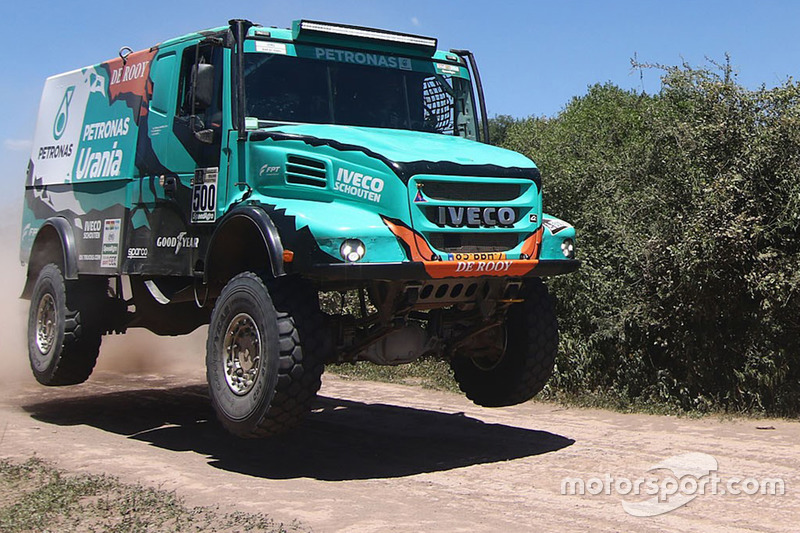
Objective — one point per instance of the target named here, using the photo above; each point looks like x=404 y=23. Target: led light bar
x=367 y=33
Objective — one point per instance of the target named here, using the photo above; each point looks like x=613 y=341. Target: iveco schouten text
x=229 y=176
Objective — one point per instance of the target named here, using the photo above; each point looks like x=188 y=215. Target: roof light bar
x=367 y=33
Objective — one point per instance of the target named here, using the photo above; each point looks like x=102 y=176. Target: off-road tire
x=289 y=323
x=64 y=340
x=302 y=360
x=527 y=363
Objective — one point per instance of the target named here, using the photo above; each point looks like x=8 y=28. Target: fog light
x=568 y=248
x=352 y=250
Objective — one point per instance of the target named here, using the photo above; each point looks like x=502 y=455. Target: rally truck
x=230 y=177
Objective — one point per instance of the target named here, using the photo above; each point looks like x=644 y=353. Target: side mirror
x=202 y=86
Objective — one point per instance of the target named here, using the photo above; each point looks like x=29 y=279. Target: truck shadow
x=340 y=440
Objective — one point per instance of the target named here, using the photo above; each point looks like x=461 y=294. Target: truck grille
x=473 y=242
x=458 y=194
x=305 y=171
x=470 y=191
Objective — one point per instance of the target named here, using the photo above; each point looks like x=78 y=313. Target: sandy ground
x=373 y=456
x=383 y=457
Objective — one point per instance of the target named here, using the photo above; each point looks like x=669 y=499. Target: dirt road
x=380 y=457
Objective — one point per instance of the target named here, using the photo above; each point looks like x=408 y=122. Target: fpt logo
x=62 y=115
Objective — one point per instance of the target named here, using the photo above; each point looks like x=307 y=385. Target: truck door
x=180 y=196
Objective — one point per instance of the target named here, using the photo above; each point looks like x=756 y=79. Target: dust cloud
x=13 y=311
x=141 y=352
x=138 y=352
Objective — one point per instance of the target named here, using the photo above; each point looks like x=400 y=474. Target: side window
x=202 y=55
x=199 y=116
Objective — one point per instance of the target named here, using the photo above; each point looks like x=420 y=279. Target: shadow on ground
x=340 y=440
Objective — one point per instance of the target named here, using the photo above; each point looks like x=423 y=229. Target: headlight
x=568 y=248
x=352 y=250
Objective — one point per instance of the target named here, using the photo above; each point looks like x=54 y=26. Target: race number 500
x=204 y=195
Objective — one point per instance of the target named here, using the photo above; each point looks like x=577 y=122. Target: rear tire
x=264 y=359
x=526 y=363
x=63 y=333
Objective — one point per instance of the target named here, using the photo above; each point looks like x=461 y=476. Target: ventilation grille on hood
x=470 y=191
x=305 y=171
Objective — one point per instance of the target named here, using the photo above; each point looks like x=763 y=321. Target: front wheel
x=518 y=356
x=262 y=367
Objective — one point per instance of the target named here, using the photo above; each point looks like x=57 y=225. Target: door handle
x=170 y=186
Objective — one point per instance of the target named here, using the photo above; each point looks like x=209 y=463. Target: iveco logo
x=475 y=217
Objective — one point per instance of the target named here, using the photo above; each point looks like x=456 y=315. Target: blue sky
x=534 y=55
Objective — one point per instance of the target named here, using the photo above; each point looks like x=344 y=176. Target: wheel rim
x=46 y=324
x=494 y=352
x=242 y=354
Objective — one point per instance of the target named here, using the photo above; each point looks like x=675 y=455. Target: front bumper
x=417 y=270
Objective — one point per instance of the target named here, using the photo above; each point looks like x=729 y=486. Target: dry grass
x=36 y=497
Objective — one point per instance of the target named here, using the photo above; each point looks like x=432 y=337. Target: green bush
x=687 y=207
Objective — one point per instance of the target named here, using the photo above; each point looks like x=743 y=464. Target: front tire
x=525 y=362
x=262 y=367
x=63 y=337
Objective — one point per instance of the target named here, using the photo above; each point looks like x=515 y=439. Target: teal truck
x=230 y=176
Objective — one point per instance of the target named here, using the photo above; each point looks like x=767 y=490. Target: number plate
x=204 y=195
x=485 y=256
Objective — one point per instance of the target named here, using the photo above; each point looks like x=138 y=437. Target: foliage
x=687 y=207
x=427 y=372
x=498 y=128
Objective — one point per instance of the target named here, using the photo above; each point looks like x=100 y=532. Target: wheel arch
x=246 y=239
x=54 y=243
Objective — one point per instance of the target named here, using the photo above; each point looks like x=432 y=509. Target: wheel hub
x=46 y=324
x=242 y=354
x=493 y=345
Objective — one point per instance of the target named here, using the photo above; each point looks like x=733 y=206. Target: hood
x=411 y=152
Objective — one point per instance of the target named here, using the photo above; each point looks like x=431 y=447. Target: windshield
x=284 y=89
